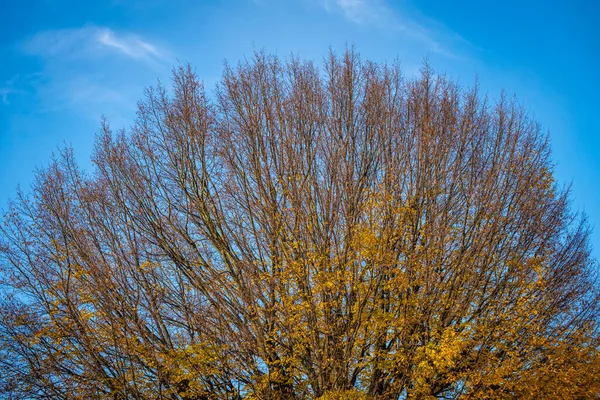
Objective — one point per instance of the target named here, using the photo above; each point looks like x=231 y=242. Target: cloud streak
x=8 y=88
x=4 y=95
x=130 y=46
x=94 y=42
x=377 y=13
x=359 y=11
x=92 y=69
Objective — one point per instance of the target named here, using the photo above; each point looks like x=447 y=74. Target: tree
x=332 y=233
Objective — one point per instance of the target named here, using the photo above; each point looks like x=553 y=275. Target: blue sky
x=64 y=64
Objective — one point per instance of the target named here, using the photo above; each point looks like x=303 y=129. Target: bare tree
x=342 y=232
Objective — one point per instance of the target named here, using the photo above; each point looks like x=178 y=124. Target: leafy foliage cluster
x=343 y=233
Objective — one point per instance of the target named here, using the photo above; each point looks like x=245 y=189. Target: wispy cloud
x=378 y=13
x=359 y=11
x=92 y=42
x=4 y=91
x=131 y=46
x=93 y=69
x=9 y=88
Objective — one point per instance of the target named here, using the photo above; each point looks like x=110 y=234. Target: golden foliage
x=325 y=234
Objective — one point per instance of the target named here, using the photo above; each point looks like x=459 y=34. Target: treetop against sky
x=466 y=258
x=66 y=63
x=306 y=232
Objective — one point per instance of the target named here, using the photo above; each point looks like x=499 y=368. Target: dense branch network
x=343 y=232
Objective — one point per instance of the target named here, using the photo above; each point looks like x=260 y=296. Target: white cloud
x=92 y=70
x=8 y=88
x=4 y=95
x=377 y=13
x=94 y=41
x=131 y=46
x=359 y=11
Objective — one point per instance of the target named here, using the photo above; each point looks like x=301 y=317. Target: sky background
x=64 y=64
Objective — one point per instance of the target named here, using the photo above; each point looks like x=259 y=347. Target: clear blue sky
x=65 y=63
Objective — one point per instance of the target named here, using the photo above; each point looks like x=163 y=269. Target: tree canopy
x=342 y=232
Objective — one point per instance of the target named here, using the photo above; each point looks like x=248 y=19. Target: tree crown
x=338 y=233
